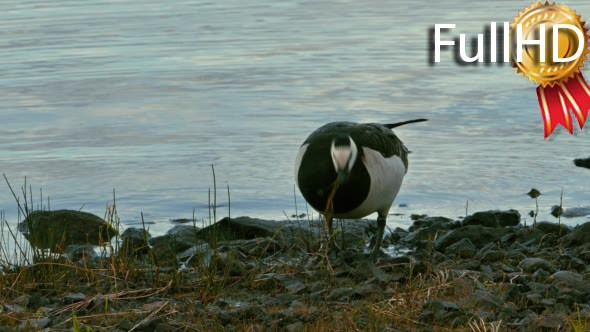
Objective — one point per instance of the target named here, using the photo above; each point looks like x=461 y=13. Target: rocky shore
x=486 y=271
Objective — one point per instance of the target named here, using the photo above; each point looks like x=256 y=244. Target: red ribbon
x=557 y=101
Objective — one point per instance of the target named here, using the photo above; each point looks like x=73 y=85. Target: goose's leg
x=331 y=237
x=380 y=230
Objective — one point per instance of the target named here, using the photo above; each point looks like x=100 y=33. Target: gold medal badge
x=555 y=62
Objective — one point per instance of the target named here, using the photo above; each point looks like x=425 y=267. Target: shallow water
x=145 y=97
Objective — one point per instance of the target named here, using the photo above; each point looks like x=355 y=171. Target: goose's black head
x=344 y=154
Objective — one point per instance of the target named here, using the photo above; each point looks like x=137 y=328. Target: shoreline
x=487 y=270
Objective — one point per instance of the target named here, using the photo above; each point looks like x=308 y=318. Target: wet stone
x=13 y=308
x=578 y=236
x=73 y=298
x=493 y=256
x=135 y=240
x=484 y=299
x=493 y=218
x=532 y=264
x=463 y=248
x=477 y=234
x=34 y=324
x=369 y=292
x=341 y=294
x=549 y=227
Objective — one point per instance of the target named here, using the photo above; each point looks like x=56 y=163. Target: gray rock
x=221 y=315
x=369 y=292
x=294 y=327
x=529 y=236
x=55 y=230
x=293 y=285
x=199 y=249
x=256 y=247
x=181 y=220
x=534 y=298
x=366 y=270
x=304 y=234
x=440 y=305
x=540 y=275
x=567 y=276
x=396 y=236
x=184 y=233
x=532 y=264
x=34 y=324
x=437 y=223
x=477 y=234
x=73 y=298
x=125 y=325
x=567 y=262
x=13 y=308
x=440 y=312
x=484 y=299
x=285 y=233
x=76 y=252
x=463 y=286
x=493 y=256
x=584 y=254
x=550 y=227
x=552 y=322
x=511 y=292
x=36 y=301
x=570 y=279
x=463 y=248
x=494 y=218
x=135 y=240
x=179 y=237
x=248 y=311
x=230 y=262
x=341 y=294
x=164 y=254
x=578 y=236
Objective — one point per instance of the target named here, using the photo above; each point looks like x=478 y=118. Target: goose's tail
x=397 y=124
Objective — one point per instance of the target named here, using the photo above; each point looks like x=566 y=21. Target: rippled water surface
x=145 y=96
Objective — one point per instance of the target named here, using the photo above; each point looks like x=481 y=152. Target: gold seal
x=548 y=73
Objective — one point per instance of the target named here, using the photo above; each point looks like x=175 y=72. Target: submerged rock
x=576 y=212
x=55 y=230
x=582 y=162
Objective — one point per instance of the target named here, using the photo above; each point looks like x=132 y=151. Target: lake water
x=145 y=96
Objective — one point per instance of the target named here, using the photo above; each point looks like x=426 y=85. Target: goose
x=350 y=170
